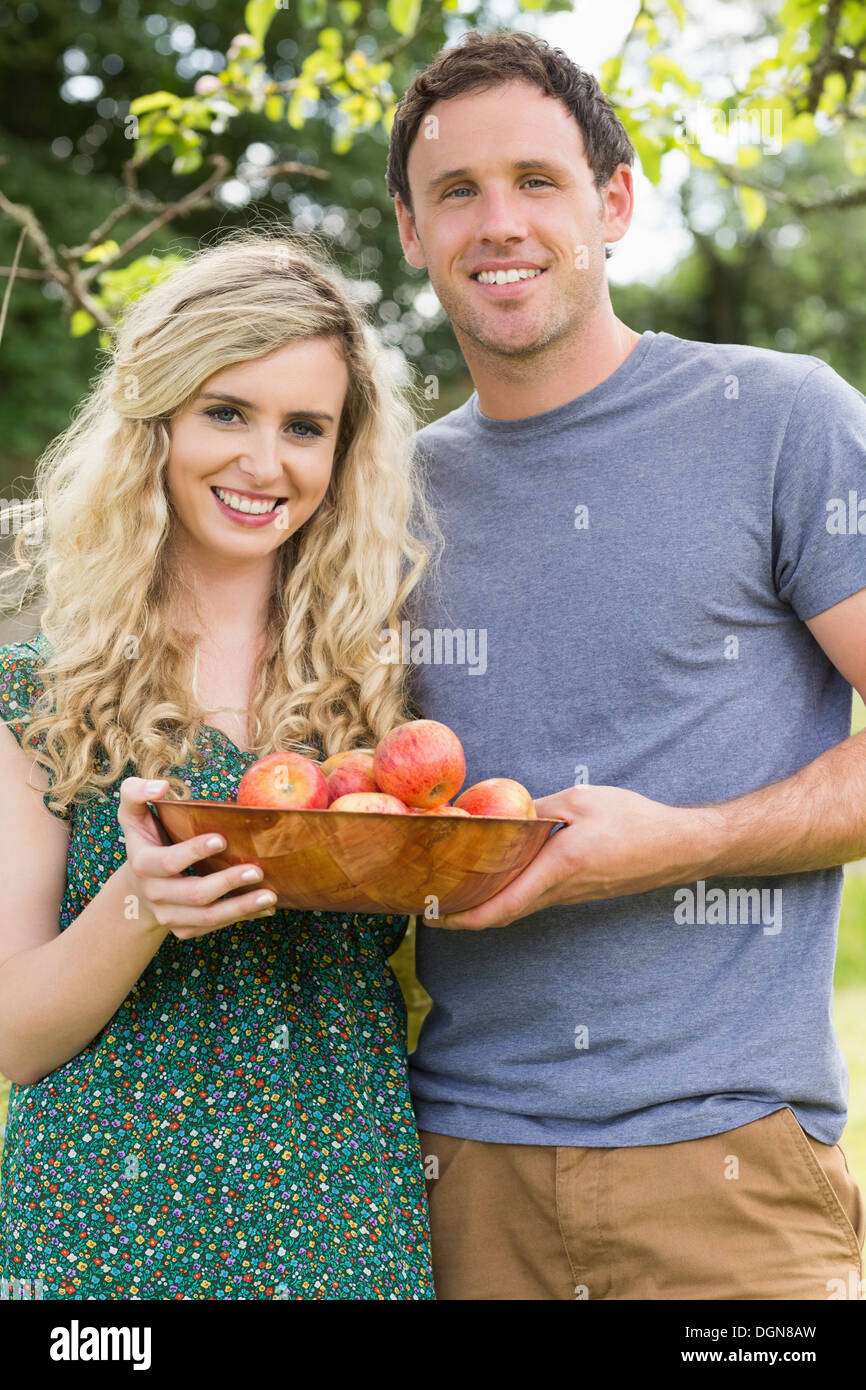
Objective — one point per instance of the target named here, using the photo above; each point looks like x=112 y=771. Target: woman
x=210 y=1096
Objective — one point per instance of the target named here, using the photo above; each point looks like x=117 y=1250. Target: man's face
x=500 y=182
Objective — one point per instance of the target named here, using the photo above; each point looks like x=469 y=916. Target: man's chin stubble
x=516 y=352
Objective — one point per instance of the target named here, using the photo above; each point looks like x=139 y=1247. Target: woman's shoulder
x=20 y=663
x=20 y=682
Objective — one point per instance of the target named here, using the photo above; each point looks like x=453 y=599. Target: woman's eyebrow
x=248 y=405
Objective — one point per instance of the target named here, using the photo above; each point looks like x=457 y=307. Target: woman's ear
x=412 y=248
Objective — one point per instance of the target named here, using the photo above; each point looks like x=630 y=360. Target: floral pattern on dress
x=242 y=1126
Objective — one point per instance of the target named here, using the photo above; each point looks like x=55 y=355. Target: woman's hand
x=186 y=907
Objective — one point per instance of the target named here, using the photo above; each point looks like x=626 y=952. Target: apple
x=330 y=763
x=497 y=796
x=421 y=762
x=353 y=772
x=286 y=781
x=368 y=801
x=446 y=811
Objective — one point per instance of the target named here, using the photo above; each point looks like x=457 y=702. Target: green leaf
x=854 y=145
x=349 y=11
x=295 y=116
x=611 y=69
x=321 y=68
x=664 y=69
x=649 y=152
x=312 y=13
x=331 y=40
x=533 y=4
x=101 y=252
x=274 y=107
x=81 y=323
x=753 y=205
x=403 y=15
x=679 y=11
x=747 y=155
x=188 y=162
x=153 y=101
x=258 y=17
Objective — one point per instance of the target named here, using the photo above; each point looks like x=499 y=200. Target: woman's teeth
x=505 y=277
x=244 y=504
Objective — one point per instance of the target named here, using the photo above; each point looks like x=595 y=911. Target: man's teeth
x=243 y=504
x=505 y=277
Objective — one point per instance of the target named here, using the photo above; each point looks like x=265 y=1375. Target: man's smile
x=506 y=279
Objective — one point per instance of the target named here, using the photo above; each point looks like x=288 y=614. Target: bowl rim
x=326 y=811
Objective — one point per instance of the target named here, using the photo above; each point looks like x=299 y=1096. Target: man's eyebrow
x=248 y=405
x=519 y=166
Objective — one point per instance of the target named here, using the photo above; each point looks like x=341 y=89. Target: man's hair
x=482 y=61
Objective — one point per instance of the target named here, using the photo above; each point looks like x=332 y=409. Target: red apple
x=286 y=781
x=497 y=796
x=352 y=773
x=446 y=811
x=421 y=762
x=330 y=763
x=368 y=801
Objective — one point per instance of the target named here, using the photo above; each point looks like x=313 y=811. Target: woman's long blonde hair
x=97 y=550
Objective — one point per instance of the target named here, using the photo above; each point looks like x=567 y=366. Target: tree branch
x=824 y=62
x=425 y=20
x=4 y=308
x=100 y=234
x=20 y=274
x=851 y=196
x=26 y=218
x=168 y=213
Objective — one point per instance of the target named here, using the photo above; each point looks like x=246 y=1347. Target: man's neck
x=511 y=388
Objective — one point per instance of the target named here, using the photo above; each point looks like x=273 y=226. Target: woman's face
x=259 y=433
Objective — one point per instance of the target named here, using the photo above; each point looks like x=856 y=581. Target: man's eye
x=545 y=183
x=223 y=414
x=461 y=189
x=305 y=429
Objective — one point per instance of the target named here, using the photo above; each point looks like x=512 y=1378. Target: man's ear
x=412 y=248
x=617 y=199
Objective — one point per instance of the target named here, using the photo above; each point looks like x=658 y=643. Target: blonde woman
x=210 y=1097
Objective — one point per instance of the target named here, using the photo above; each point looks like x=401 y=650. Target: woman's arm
x=58 y=989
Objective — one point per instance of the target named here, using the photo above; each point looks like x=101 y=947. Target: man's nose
x=502 y=218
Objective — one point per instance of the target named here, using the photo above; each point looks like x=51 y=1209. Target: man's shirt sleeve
x=819 y=496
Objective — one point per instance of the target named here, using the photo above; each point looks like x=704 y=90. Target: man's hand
x=614 y=843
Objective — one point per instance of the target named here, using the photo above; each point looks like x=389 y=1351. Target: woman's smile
x=242 y=510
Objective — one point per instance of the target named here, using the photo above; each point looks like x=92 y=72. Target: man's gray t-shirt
x=623 y=595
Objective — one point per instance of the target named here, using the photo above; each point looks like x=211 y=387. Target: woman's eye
x=304 y=429
x=223 y=414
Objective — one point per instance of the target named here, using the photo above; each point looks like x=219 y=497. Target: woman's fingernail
x=153 y=788
x=266 y=899
x=216 y=842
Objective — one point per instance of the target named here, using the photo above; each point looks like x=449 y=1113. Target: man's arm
x=616 y=842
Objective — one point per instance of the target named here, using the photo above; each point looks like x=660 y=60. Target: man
x=629 y=1085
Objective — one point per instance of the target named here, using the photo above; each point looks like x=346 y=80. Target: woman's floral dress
x=241 y=1127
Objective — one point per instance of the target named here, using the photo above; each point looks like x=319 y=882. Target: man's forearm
x=813 y=820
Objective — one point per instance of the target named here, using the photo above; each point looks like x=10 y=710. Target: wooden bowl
x=361 y=861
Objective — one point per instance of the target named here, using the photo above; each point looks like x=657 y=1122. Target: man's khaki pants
x=763 y=1211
